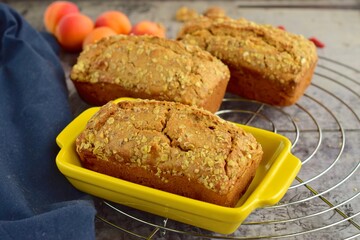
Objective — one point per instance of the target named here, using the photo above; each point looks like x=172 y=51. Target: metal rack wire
x=323 y=201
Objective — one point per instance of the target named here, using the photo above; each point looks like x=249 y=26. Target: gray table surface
x=324 y=126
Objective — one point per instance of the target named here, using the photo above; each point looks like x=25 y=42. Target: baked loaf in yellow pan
x=267 y=64
x=149 y=68
x=273 y=177
x=171 y=147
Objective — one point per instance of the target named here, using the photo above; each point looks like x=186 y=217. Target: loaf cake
x=150 y=68
x=266 y=63
x=173 y=147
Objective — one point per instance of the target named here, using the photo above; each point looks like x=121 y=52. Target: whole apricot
x=98 y=33
x=149 y=28
x=55 y=11
x=72 y=30
x=115 y=20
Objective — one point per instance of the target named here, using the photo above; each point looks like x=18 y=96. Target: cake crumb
x=214 y=11
x=184 y=14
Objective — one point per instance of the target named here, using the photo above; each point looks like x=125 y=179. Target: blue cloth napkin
x=36 y=200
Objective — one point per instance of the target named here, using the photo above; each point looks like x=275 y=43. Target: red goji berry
x=317 y=42
x=281 y=27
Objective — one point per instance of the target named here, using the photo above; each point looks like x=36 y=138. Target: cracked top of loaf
x=167 y=69
x=171 y=139
x=264 y=49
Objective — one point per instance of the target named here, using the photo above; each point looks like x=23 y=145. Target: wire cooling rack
x=322 y=203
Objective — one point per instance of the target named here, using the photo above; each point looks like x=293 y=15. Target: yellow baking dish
x=273 y=177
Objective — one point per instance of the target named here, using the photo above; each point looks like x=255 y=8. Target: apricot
x=115 y=20
x=55 y=11
x=149 y=28
x=98 y=33
x=72 y=30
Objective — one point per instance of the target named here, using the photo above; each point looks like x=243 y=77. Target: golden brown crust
x=266 y=63
x=149 y=67
x=172 y=147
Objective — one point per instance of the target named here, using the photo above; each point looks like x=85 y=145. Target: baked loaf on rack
x=267 y=64
x=149 y=68
x=172 y=147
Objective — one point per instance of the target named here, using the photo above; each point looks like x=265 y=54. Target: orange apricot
x=55 y=11
x=115 y=20
x=98 y=33
x=72 y=30
x=149 y=28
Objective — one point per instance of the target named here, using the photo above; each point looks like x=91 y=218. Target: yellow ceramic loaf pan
x=273 y=177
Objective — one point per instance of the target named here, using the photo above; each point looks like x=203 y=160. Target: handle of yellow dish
x=77 y=125
x=280 y=177
x=62 y=138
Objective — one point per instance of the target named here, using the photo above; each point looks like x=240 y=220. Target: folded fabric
x=36 y=200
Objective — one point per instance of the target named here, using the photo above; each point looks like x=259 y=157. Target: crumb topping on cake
x=170 y=139
x=151 y=65
x=273 y=52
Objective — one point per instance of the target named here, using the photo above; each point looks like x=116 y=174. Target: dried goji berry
x=317 y=42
